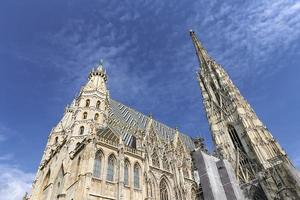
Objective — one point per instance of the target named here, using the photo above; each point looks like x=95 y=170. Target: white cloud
x=14 y=182
x=251 y=29
x=6 y=157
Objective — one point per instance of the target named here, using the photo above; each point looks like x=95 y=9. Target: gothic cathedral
x=102 y=149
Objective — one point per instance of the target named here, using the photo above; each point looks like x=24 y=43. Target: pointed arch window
x=163 y=190
x=98 y=104
x=111 y=168
x=77 y=167
x=96 y=116
x=155 y=160
x=215 y=91
x=98 y=164
x=235 y=138
x=87 y=103
x=126 y=172
x=136 y=175
x=56 y=140
x=84 y=115
x=81 y=130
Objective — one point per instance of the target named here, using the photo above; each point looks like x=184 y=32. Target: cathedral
x=102 y=149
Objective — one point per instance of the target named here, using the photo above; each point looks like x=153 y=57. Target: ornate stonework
x=102 y=149
x=240 y=137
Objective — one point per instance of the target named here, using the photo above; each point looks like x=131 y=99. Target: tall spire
x=202 y=55
x=236 y=130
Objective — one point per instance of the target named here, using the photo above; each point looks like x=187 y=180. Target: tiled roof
x=131 y=117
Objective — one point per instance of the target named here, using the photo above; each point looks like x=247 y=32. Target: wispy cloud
x=14 y=182
x=6 y=157
x=251 y=30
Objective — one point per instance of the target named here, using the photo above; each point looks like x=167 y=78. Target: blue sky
x=47 y=49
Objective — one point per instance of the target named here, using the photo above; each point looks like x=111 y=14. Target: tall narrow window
x=84 y=115
x=155 y=159
x=98 y=104
x=235 y=138
x=97 y=164
x=81 y=130
x=96 y=116
x=136 y=173
x=126 y=173
x=163 y=190
x=56 y=140
x=87 y=103
x=216 y=92
x=110 y=168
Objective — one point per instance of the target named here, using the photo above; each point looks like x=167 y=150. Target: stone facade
x=260 y=164
x=101 y=149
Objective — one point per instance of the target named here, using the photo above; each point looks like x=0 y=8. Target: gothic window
x=136 y=173
x=87 y=103
x=235 y=138
x=111 y=168
x=81 y=130
x=163 y=190
x=77 y=167
x=98 y=104
x=96 y=116
x=215 y=91
x=56 y=140
x=126 y=173
x=98 y=164
x=155 y=159
x=84 y=115
x=165 y=163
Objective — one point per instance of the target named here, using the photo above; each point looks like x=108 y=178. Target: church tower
x=66 y=162
x=240 y=136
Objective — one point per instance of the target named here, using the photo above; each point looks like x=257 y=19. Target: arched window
x=96 y=116
x=77 y=167
x=136 y=177
x=165 y=163
x=84 y=115
x=87 y=103
x=98 y=164
x=111 y=168
x=163 y=190
x=235 y=138
x=56 y=140
x=126 y=173
x=81 y=130
x=216 y=92
x=155 y=159
x=98 y=104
